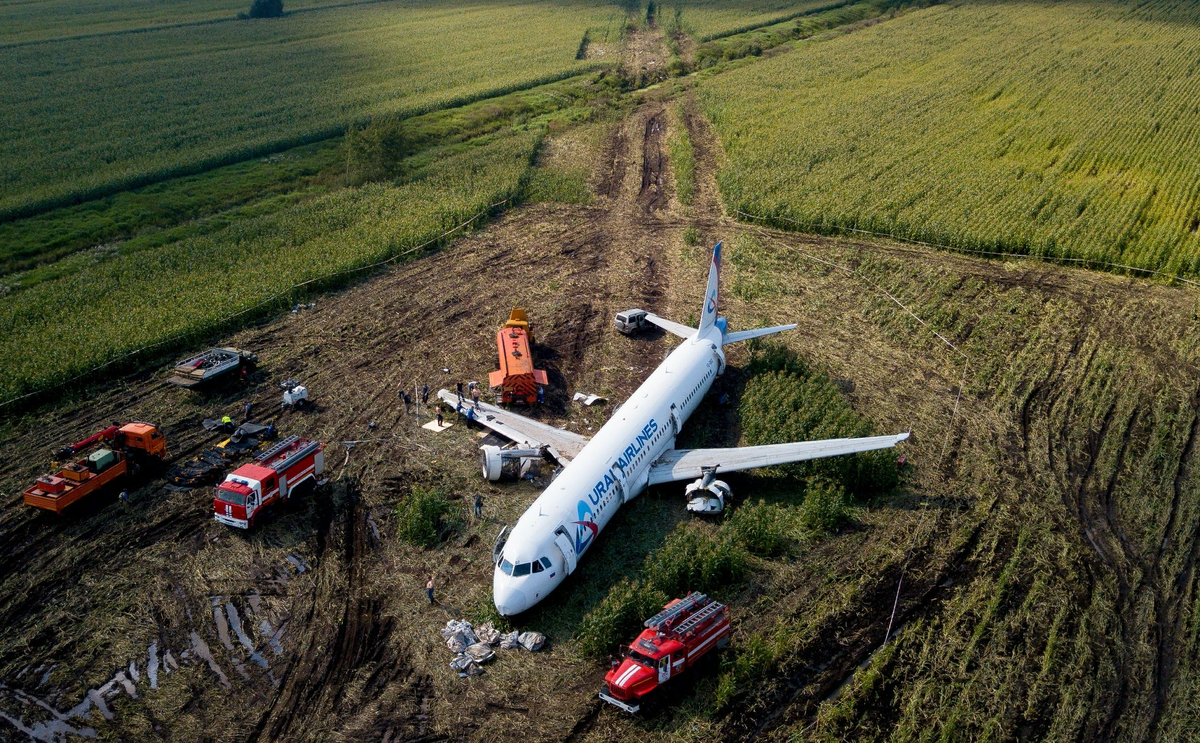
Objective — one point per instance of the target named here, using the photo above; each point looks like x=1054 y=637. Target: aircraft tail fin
x=708 y=315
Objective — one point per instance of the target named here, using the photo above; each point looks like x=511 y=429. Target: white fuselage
x=612 y=469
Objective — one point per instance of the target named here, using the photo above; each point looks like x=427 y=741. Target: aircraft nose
x=510 y=601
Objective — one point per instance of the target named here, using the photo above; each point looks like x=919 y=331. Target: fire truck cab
x=252 y=488
x=673 y=641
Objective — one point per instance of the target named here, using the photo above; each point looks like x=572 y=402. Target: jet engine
x=509 y=464
x=707 y=495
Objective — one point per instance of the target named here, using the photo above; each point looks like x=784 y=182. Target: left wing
x=563 y=445
x=688 y=464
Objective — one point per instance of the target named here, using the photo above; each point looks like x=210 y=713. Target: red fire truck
x=252 y=488
x=674 y=639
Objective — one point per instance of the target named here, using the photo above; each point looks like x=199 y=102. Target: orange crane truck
x=131 y=445
x=516 y=379
x=672 y=642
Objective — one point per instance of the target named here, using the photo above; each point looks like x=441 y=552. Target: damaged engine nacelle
x=707 y=495
x=509 y=464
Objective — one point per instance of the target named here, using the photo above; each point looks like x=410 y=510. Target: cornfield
x=85 y=118
x=105 y=304
x=1074 y=138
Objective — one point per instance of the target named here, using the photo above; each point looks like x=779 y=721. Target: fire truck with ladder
x=672 y=642
x=274 y=475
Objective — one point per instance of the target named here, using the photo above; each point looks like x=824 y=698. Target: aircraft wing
x=689 y=464
x=563 y=445
x=671 y=326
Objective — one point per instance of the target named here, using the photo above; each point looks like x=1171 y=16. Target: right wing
x=671 y=326
x=688 y=464
x=563 y=445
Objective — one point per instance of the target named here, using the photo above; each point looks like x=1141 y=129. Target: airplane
x=633 y=450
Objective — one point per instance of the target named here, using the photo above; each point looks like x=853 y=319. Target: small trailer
x=215 y=363
x=252 y=489
x=672 y=642
x=630 y=321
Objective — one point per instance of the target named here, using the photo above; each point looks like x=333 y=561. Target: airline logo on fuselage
x=585 y=532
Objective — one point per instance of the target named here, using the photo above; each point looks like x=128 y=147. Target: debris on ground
x=472 y=646
x=589 y=400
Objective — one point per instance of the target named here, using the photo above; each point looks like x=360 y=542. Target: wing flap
x=563 y=445
x=688 y=464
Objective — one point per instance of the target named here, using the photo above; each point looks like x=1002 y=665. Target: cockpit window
x=519 y=570
x=537 y=566
x=506 y=567
x=546 y=562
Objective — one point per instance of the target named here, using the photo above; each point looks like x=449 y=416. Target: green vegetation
x=425 y=517
x=710 y=19
x=1070 y=139
x=34 y=21
x=168 y=211
x=105 y=303
x=683 y=159
x=755 y=42
x=87 y=118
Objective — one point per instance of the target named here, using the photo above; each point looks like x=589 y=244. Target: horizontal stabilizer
x=745 y=335
x=688 y=464
x=678 y=329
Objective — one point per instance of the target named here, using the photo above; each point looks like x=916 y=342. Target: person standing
x=424 y=394
x=439 y=419
x=478 y=505
x=429 y=590
x=246 y=411
x=124 y=496
x=475 y=397
x=460 y=394
x=407 y=400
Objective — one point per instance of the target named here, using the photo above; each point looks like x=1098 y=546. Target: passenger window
x=519 y=570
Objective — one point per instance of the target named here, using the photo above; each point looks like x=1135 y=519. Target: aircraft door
x=567 y=547
x=675 y=424
x=622 y=485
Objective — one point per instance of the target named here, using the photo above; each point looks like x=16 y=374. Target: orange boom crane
x=516 y=378
x=131 y=444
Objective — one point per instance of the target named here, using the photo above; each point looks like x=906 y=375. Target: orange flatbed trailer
x=517 y=379
x=79 y=479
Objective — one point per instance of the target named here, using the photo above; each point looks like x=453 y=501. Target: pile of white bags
x=472 y=646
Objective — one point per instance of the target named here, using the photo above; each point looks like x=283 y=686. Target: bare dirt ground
x=1056 y=436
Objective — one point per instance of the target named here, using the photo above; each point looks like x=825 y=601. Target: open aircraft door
x=567 y=547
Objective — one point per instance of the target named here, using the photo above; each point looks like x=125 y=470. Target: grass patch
x=426 y=517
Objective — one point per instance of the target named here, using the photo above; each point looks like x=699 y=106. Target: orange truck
x=131 y=444
x=516 y=380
